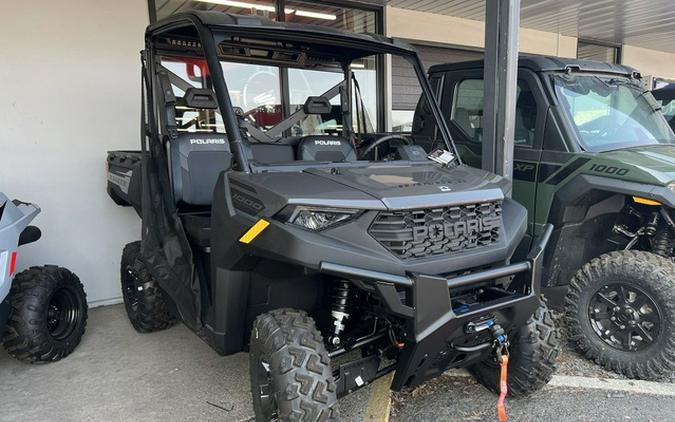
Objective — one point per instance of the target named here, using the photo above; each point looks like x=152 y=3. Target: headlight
x=320 y=218
x=671 y=186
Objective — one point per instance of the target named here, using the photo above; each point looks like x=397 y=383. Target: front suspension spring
x=340 y=307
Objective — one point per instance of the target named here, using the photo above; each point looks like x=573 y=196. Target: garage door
x=405 y=88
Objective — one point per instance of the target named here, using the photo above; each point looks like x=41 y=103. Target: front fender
x=574 y=192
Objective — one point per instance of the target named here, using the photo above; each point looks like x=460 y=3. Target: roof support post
x=502 y=21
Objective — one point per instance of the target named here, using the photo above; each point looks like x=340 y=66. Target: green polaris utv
x=594 y=157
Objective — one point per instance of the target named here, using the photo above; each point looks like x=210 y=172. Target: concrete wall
x=70 y=92
x=649 y=62
x=460 y=32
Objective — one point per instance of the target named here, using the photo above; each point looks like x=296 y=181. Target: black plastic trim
x=432 y=316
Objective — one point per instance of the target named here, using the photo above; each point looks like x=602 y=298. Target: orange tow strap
x=503 y=388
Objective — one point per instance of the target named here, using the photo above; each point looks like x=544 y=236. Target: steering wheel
x=382 y=140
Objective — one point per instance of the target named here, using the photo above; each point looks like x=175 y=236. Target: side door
x=462 y=104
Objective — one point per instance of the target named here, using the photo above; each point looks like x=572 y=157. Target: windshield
x=610 y=112
x=298 y=102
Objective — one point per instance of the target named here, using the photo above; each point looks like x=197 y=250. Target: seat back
x=325 y=148
x=197 y=159
x=272 y=153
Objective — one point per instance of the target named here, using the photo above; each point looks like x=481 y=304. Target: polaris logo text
x=324 y=142
x=207 y=141
x=439 y=231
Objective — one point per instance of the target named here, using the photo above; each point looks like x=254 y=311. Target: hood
x=375 y=187
x=654 y=164
x=419 y=186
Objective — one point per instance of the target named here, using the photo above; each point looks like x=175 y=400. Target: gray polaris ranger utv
x=278 y=219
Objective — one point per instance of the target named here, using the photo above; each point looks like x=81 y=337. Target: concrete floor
x=117 y=374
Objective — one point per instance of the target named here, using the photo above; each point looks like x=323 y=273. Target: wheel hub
x=625 y=317
x=132 y=287
x=63 y=314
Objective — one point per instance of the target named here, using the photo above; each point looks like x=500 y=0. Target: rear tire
x=146 y=303
x=534 y=352
x=291 y=377
x=642 y=286
x=48 y=314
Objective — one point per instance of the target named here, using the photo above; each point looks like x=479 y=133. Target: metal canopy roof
x=648 y=24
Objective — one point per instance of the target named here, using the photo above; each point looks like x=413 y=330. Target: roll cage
x=204 y=33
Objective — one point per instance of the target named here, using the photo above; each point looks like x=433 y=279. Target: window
x=343 y=18
x=609 y=112
x=467 y=108
x=365 y=74
x=256 y=90
x=302 y=84
x=598 y=52
x=363 y=19
x=307 y=12
x=185 y=73
x=265 y=8
x=467 y=111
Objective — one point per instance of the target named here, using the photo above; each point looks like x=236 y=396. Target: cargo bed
x=124 y=178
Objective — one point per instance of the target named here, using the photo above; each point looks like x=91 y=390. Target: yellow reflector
x=645 y=201
x=254 y=231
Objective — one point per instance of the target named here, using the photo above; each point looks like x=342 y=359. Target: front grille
x=438 y=231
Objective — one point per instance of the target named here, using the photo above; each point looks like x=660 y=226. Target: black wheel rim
x=263 y=389
x=63 y=314
x=625 y=317
x=131 y=286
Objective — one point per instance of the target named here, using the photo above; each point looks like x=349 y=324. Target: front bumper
x=439 y=336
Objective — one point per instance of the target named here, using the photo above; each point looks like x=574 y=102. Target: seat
x=197 y=159
x=325 y=148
